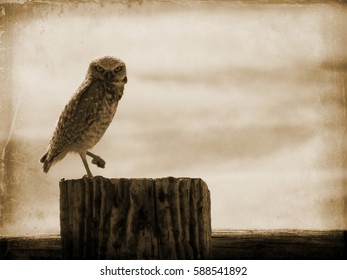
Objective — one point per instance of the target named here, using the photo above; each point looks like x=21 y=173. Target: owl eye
x=99 y=68
x=117 y=69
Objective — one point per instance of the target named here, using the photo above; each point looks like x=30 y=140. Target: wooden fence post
x=167 y=218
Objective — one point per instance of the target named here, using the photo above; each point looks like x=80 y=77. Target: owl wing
x=77 y=116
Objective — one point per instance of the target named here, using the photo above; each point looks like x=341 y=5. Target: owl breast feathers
x=88 y=114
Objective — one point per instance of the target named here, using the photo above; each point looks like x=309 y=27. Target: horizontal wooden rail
x=227 y=245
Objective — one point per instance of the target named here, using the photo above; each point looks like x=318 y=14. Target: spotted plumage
x=89 y=113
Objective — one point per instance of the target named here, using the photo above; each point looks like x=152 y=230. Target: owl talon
x=99 y=162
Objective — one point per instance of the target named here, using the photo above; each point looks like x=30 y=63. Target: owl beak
x=109 y=76
x=125 y=80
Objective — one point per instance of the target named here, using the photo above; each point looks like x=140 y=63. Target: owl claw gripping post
x=88 y=114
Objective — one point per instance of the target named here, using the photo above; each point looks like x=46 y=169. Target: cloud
x=171 y=148
x=335 y=65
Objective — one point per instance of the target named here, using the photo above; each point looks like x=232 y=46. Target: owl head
x=108 y=69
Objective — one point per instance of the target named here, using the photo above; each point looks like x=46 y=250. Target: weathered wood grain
x=167 y=218
x=183 y=216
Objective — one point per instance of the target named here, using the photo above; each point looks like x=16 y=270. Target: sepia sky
x=242 y=96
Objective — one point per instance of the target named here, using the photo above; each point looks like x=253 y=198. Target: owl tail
x=46 y=163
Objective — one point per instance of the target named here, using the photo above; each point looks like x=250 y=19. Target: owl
x=88 y=114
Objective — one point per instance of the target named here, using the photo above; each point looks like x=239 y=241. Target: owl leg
x=85 y=163
x=97 y=160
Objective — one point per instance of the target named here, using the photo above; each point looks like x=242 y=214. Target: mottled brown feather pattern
x=90 y=111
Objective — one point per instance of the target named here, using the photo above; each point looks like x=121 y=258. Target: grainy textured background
x=249 y=97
